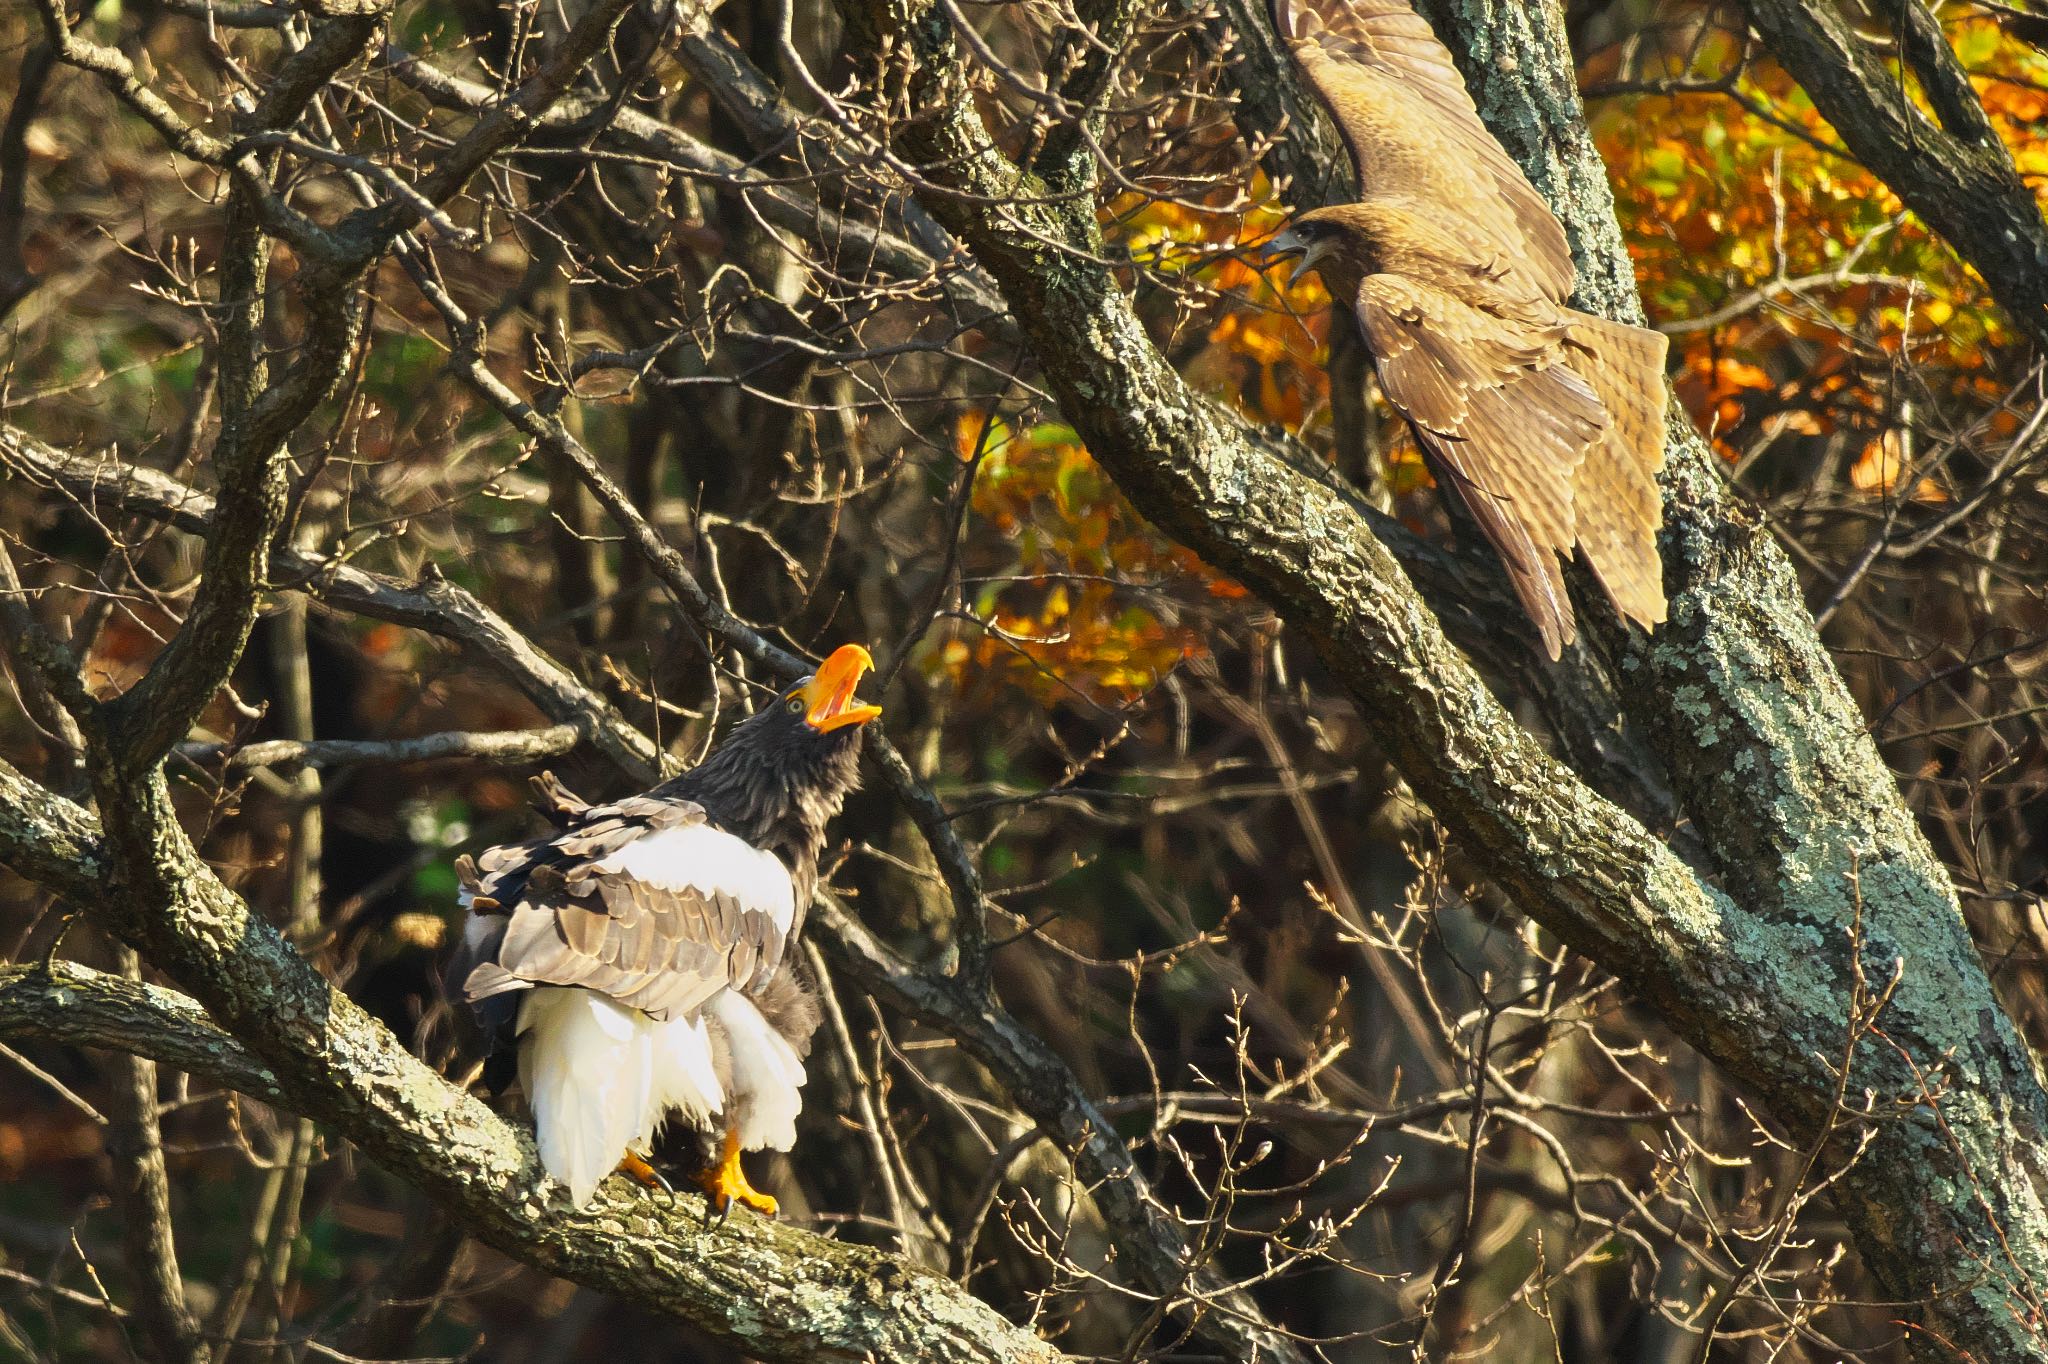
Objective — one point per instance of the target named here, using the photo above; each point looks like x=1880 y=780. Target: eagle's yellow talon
x=634 y=1166
x=726 y=1183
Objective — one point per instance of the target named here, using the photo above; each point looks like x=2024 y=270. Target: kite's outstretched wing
x=1412 y=128
x=1506 y=423
x=1619 y=507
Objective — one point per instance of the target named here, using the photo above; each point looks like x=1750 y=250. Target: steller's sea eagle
x=637 y=960
x=1545 y=422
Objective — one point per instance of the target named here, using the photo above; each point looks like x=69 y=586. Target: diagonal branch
x=1041 y=1084
x=432 y=604
x=258 y=417
x=81 y=1007
x=503 y=746
x=1955 y=174
x=281 y=1031
x=1736 y=693
x=369 y=232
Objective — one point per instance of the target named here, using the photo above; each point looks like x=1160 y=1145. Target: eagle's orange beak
x=828 y=697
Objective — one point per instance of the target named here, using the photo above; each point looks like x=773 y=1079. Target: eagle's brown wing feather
x=644 y=902
x=1506 y=421
x=558 y=803
x=1412 y=128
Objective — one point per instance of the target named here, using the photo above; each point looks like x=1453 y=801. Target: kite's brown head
x=1346 y=242
x=1310 y=238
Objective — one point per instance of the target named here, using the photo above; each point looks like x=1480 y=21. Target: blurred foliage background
x=1216 y=902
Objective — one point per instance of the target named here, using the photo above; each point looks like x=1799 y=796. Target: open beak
x=828 y=697
x=1291 y=243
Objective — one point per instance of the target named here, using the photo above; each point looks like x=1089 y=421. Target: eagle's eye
x=796 y=703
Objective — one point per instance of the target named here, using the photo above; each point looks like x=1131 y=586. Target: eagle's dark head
x=781 y=775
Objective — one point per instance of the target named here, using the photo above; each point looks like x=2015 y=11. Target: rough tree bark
x=1817 y=858
x=1951 y=169
x=260 y=1020
x=258 y=1016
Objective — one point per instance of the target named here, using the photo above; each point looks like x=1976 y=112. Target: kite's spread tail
x=1618 y=514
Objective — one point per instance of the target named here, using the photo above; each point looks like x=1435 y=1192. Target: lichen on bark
x=1736 y=693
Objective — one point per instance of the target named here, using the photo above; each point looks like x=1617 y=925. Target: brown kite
x=1545 y=422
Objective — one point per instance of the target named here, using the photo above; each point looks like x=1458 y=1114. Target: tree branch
x=80 y=1007
x=768 y=1290
x=142 y=1193
x=31 y=77
x=432 y=604
x=503 y=746
x=257 y=418
x=1736 y=691
x=1957 y=175
x=371 y=231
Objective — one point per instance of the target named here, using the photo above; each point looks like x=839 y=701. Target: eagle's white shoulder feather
x=711 y=862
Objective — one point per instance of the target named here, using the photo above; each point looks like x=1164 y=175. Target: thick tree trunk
x=1833 y=935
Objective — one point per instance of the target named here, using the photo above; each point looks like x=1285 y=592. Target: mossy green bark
x=1813 y=849
x=1805 y=825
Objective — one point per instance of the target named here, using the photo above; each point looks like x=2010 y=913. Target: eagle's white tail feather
x=588 y=1073
x=686 y=1087
x=768 y=1075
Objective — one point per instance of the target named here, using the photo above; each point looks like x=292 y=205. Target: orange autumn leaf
x=1881 y=465
x=1080 y=595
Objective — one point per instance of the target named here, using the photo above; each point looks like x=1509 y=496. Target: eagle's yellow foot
x=634 y=1166
x=726 y=1183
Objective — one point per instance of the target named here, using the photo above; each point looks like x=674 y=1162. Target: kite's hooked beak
x=828 y=697
x=1293 y=242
